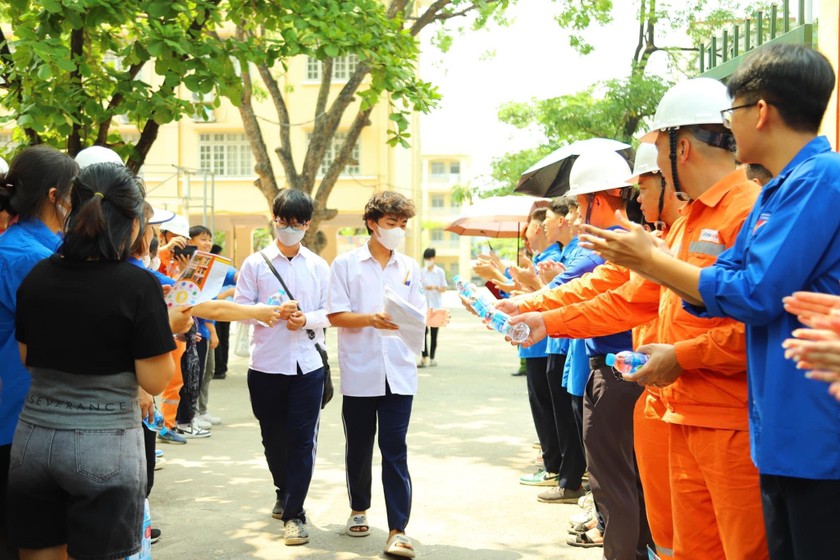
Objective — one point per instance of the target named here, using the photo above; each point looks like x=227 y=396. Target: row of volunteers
x=720 y=445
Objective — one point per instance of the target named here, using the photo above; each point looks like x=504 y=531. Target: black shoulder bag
x=328 y=384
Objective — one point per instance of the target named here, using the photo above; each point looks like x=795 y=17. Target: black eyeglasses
x=726 y=114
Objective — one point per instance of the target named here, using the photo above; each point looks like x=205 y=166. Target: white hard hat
x=177 y=225
x=645 y=162
x=697 y=101
x=97 y=154
x=4 y=167
x=597 y=171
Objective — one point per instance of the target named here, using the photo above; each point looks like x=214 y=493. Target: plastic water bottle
x=627 y=362
x=146 y=544
x=275 y=300
x=497 y=320
x=157 y=424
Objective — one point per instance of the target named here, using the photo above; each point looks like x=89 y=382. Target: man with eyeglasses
x=790 y=242
x=286 y=372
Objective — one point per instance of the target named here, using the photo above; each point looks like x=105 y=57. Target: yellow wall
x=829 y=45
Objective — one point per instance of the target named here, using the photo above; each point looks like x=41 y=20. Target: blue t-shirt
x=789 y=242
x=22 y=246
x=539 y=350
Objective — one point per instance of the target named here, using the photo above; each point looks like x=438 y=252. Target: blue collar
x=41 y=233
x=815 y=147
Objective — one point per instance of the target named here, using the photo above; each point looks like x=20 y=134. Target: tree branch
x=265 y=173
x=116 y=101
x=284 y=150
x=77 y=45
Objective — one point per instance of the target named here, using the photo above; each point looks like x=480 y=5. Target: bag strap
x=309 y=332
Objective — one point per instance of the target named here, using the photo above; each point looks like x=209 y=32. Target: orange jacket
x=605 y=277
x=712 y=392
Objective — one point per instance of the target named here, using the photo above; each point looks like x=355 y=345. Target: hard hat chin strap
x=672 y=144
x=661 y=197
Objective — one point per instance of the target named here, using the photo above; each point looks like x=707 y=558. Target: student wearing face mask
x=286 y=372
x=36 y=193
x=434 y=284
x=378 y=373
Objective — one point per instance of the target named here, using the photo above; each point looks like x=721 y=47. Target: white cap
x=696 y=101
x=597 y=171
x=645 y=162
x=4 y=167
x=160 y=216
x=177 y=225
x=97 y=154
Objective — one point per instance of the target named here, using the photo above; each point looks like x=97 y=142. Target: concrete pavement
x=469 y=442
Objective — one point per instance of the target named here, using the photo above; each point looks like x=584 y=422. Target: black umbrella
x=549 y=177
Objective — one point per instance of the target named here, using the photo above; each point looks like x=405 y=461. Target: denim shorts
x=84 y=488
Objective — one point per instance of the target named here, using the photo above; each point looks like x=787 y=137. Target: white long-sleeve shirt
x=277 y=349
x=365 y=357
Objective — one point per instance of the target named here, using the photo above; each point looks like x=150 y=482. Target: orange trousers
x=170 y=395
x=715 y=495
x=650 y=440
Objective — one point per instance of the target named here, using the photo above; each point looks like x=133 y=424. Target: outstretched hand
x=535 y=322
x=632 y=247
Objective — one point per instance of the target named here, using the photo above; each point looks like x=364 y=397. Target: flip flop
x=400 y=545
x=584 y=540
x=357 y=526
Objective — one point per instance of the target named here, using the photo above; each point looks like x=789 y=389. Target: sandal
x=579 y=528
x=400 y=545
x=357 y=526
x=587 y=539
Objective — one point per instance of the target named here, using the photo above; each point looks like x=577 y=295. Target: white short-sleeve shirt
x=367 y=359
x=433 y=278
x=277 y=349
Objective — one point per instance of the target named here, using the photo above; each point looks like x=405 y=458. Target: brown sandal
x=587 y=539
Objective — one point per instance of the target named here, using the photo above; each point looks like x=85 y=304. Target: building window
x=436 y=235
x=438 y=169
x=438 y=201
x=352 y=168
x=343 y=68
x=455 y=169
x=225 y=154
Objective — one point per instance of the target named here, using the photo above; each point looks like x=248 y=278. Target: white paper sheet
x=412 y=321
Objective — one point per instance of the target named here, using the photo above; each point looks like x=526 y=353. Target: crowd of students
x=720 y=446
x=732 y=290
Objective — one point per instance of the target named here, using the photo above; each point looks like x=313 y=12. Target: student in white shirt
x=285 y=373
x=434 y=284
x=378 y=373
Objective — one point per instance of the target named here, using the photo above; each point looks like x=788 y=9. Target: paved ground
x=469 y=441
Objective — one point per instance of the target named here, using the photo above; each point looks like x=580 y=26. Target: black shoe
x=518 y=373
x=219 y=376
x=155 y=535
x=277 y=511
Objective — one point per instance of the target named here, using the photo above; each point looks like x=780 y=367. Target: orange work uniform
x=650 y=434
x=714 y=485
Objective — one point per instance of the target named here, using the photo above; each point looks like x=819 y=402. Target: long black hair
x=107 y=198
x=31 y=175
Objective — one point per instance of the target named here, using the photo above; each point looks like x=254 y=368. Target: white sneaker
x=202 y=423
x=433 y=363
x=423 y=362
x=209 y=418
x=191 y=431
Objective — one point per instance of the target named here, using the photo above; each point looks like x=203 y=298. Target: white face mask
x=147 y=261
x=288 y=236
x=428 y=263
x=155 y=263
x=390 y=238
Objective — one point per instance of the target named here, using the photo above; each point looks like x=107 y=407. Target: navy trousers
x=360 y=415
x=288 y=408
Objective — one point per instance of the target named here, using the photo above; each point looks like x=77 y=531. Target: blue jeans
x=84 y=488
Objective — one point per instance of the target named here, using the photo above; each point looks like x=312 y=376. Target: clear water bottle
x=157 y=424
x=497 y=320
x=500 y=322
x=275 y=300
x=480 y=304
x=627 y=362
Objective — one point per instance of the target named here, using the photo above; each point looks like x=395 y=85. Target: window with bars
x=226 y=155
x=436 y=235
x=438 y=201
x=343 y=68
x=353 y=167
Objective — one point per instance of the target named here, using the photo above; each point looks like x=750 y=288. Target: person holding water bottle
x=286 y=373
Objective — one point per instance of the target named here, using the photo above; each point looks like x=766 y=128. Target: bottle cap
x=610 y=360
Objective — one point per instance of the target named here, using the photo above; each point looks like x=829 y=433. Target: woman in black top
x=91 y=328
